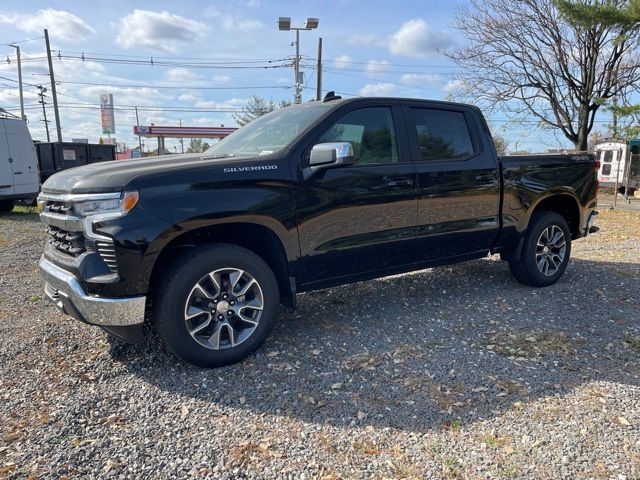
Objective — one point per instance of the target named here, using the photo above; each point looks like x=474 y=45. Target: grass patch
x=633 y=342
x=616 y=226
x=525 y=344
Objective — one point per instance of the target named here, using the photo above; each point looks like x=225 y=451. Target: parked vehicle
x=307 y=197
x=18 y=164
x=54 y=157
x=616 y=162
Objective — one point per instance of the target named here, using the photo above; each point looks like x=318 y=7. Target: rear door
x=6 y=171
x=458 y=189
x=358 y=218
x=24 y=161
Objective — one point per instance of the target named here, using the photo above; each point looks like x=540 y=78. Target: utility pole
x=614 y=112
x=138 y=125
x=44 y=110
x=54 y=96
x=22 y=115
x=319 y=68
x=181 y=141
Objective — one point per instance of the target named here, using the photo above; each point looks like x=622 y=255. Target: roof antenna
x=331 y=96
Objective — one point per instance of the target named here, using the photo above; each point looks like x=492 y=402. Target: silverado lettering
x=250 y=169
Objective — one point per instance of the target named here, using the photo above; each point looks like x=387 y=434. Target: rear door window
x=442 y=134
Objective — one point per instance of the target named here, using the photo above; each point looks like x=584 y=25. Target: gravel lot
x=450 y=373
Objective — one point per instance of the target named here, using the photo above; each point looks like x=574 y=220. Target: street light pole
x=298 y=98
x=22 y=115
x=284 y=24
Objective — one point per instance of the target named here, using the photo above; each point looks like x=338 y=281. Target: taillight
x=596 y=165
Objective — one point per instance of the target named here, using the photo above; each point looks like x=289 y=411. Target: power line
x=179 y=87
x=16 y=81
x=26 y=40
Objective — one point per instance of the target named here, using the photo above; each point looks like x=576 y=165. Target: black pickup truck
x=205 y=247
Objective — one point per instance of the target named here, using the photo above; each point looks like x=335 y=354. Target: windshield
x=269 y=133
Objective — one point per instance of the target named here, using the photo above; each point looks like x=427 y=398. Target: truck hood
x=113 y=176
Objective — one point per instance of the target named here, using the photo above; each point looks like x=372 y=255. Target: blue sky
x=370 y=48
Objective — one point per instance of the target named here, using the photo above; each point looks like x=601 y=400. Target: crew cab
x=206 y=246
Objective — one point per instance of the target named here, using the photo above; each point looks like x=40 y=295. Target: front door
x=458 y=185
x=358 y=218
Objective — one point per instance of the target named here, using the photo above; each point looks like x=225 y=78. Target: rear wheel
x=6 y=206
x=216 y=305
x=545 y=252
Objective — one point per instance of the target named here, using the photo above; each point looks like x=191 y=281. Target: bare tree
x=525 y=58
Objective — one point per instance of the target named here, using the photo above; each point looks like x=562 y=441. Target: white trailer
x=19 y=176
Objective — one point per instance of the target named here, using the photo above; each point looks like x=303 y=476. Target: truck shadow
x=426 y=350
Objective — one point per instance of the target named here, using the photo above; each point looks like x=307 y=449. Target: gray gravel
x=457 y=372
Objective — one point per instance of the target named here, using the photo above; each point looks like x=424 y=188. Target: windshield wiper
x=217 y=155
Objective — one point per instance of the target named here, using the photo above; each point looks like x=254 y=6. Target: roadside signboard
x=106 y=114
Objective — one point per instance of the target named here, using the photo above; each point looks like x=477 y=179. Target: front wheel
x=216 y=305
x=545 y=252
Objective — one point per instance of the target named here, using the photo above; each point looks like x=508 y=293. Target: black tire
x=175 y=289
x=526 y=269
x=6 y=206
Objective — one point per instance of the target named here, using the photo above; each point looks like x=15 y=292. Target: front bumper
x=64 y=290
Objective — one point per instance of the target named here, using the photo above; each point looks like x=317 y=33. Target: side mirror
x=326 y=155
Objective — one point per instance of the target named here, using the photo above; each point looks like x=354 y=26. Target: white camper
x=19 y=177
x=613 y=156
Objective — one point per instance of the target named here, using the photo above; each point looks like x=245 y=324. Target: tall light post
x=284 y=24
x=22 y=115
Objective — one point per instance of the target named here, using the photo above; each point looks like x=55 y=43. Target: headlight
x=122 y=205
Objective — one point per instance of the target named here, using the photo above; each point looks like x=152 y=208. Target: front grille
x=65 y=233
x=55 y=206
x=71 y=243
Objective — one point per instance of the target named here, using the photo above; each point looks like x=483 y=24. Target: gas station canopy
x=182 y=132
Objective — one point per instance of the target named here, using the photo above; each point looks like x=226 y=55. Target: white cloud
x=188 y=97
x=232 y=22
x=61 y=24
x=342 y=61
x=162 y=31
x=420 y=79
x=453 y=85
x=229 y=103
x=249 y=3
x=141 y=96
x=367 y=40
x=417 y=39
x=377 y=89
x=377 y=66
x=181 y=74
x=221 y=78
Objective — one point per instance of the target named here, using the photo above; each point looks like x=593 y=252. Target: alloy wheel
x=223 y=308
x=550 y=250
